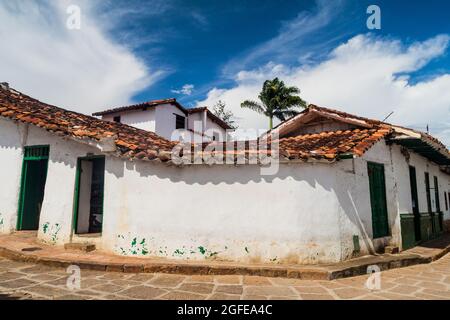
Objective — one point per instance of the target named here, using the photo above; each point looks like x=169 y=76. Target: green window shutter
x=380 y=224
x=37 y=153
x=436 y=194
x=428 y=192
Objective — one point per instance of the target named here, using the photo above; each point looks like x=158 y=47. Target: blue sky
x=204 y=51
x=204 y=43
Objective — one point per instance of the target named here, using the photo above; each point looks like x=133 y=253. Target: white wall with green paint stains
x=57 y=207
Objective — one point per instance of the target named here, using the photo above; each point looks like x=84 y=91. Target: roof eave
x=425 y=148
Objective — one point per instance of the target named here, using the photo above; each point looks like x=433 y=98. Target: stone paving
x=20 y=280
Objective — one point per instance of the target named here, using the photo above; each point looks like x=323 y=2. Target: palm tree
x=277 y=100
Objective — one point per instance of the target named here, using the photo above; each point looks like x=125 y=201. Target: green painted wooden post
x=76 y=197
x=415 y=203
x=21 y=194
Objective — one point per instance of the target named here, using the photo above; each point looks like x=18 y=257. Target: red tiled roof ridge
x=345 y=114
x=196 y=109
x=150 y=103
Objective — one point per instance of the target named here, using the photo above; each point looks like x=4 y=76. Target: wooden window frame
x=76 y=199
x=178 y=121
x=446 y=200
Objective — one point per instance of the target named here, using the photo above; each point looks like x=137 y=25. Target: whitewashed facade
x=308 y=212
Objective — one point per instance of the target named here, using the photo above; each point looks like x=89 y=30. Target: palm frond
x=253 y=105
x=283 y=115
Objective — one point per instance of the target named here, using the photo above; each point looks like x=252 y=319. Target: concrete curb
x=181 y=268
x=329 y=272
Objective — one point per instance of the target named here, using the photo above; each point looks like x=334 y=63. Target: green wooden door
x=429 y=205
x=377 y=186
x=34 y=176
x=415 y=202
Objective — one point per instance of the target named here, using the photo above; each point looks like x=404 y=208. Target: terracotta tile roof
x=423 y=135
x=363 y=123
x=129 y=141
x=140 y=106
x=345 y=114
x=320 y=146
x=330 y=145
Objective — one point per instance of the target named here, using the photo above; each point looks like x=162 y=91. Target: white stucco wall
x=195 y=121
x=55 y=224
x=165 y=119
x=10 y=173
x=141 y=119
x=228 y=211
x=212 y=127
x=398 y=190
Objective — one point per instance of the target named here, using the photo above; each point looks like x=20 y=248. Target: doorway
x=380 y=225
x=32 y=186
x=415 y=202
x=89 y=194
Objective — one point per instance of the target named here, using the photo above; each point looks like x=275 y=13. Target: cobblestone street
x=29 y=281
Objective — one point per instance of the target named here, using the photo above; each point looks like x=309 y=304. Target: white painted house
x=347 y=191
x=171 y=120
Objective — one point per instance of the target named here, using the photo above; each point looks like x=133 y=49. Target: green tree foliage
x=276 y=100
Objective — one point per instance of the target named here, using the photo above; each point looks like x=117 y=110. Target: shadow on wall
x=353 y=203
x=22 y=138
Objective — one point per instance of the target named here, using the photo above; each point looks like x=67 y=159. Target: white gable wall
x=212 y=127
x=141 y=119
x=195 y=121
x=165 y=122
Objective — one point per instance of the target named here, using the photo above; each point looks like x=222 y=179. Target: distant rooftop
x=154 y=103
x=141 y=106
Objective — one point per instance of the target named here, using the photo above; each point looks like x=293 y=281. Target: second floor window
x=180 y=122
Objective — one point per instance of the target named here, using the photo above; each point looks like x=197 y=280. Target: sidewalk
x=23 y=246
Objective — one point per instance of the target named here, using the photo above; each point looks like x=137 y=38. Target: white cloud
x=79 y=69
x=361 y=77
x=186 y=89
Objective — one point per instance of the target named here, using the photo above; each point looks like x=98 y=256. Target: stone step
x=391 y=249
x=85 y=246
